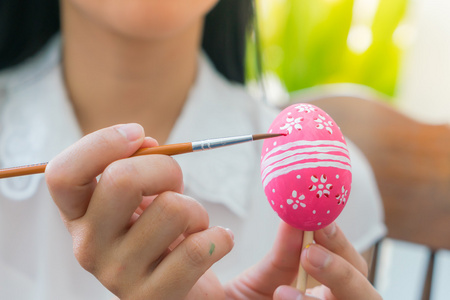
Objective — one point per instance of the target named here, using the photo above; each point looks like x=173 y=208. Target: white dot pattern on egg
x=309 y=168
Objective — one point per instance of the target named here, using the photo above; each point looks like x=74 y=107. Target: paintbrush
x=172 y=149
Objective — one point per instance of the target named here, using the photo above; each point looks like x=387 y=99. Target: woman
x=135 y=230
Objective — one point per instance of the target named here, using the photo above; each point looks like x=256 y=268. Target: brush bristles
x=266 y=136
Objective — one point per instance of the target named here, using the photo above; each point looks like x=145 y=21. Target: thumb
x=278 y=267
x=71 y=175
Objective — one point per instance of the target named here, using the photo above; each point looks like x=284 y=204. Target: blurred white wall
x=424 y=83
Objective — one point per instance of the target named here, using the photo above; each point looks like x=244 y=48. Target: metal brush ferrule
x=220 y=142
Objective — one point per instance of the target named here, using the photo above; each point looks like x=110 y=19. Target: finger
x=149 y=142
x=122 y=187
x=342 y=278
x=71 y=175
x=188 y=262
x=332 y=238
x=168 y=217
x=134 y=256
x=286 y=292
x=278 y=267
x=206 y=288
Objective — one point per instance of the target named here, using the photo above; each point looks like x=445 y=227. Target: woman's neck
x=115 y=79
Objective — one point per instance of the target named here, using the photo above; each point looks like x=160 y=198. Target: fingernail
x=131 y=131
x=330 y=229
x=228 y=231
x=288 y=293
x=317 y=256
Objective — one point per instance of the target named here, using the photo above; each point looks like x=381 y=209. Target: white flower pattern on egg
x=292 y=122
x=296 y=202
x=307 y=108
x=342 y=198
x=323 y=124
x=323 y=189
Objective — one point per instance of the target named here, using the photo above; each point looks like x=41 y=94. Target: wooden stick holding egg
x=306 y=175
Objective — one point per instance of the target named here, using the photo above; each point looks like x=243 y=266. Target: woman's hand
x=337 y=265
x=278 y=267
x=136 y=232
x=133 y=229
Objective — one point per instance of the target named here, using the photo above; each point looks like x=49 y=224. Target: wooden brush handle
x=166 y=149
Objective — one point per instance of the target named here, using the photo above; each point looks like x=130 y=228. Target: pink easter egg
x=306 y=174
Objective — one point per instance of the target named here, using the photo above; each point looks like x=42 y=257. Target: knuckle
x=119 y=175
x=106 y=266
x=196 y=250
x=347 y=275
x=84 y=248
x=182 y=211
x=171 y=209
x=113 y=276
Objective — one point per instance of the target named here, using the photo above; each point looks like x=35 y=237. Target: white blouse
x=37 y=122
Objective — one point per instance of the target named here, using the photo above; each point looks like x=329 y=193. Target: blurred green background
x=307 y=43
